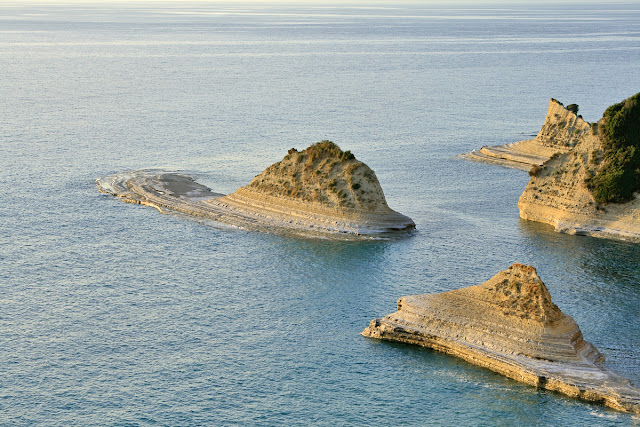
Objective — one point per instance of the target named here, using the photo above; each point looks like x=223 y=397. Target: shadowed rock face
x=319 y=191
x=510 y=325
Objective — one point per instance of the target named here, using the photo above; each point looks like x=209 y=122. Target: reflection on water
x=602 y=259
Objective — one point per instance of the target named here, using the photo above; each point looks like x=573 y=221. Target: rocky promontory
x=591 y=187
x=559 y=133
x=510 y=325
x=321 y=190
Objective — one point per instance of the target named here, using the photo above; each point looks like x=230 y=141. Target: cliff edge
x=588 y=189
x=559 y=133
x=510 y=325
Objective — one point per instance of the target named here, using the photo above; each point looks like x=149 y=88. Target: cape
x=510 y=325
x=558 y=135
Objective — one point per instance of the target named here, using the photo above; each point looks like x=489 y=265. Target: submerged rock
x=319 y=191
x=510 y=325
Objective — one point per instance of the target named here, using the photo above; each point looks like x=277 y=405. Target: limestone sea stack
x=592 y=188
x=558 y=134
x=319 y=191
x=510 y=325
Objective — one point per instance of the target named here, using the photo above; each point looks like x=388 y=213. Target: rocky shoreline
x=560 y=159
x=317 y=192
x=557 y=135
x=510 y=325
x=557 y=192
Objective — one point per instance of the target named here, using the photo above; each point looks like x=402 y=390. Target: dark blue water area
x=115 y=314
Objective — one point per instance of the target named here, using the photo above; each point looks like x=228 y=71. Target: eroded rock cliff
x=321 y=190
x=510 y=325
x=560 y=132
x=322 y=174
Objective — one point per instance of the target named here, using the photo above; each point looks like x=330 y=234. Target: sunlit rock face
x=510 y=325
x=561 y=130
x=319 y=191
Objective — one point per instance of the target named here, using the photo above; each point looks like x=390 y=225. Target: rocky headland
x=321 y=190
x=590 y=187
x=510 y=325
x=560 y=132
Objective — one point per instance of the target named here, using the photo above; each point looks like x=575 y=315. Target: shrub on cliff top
x=619 y=176
x=573 y=108
x=330 y=149
x=621 y=124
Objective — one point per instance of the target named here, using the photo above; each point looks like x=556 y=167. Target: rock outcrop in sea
x=560 y=132
x=510 y=325
x=319 y=191
x=558 y=192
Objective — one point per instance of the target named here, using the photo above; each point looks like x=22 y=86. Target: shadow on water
x=338 y=262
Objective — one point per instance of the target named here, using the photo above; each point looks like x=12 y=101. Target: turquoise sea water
x=114 y=314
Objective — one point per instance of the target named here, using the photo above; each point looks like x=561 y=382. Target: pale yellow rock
x=557 y=194
x=319 y=191
x=559 y=134
x=510 y=325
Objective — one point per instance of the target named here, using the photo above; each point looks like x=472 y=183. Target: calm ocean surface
x=114 y=314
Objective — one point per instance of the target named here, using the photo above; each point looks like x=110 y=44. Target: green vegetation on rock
x=619 y=175
x=324 y=174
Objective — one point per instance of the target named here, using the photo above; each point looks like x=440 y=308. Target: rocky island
x=560 y=132
x=591 y=186
x=510 y=325
x=321 y=190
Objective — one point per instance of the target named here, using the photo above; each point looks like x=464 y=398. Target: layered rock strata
x=557 y=193
x=321 y=190
x=559 y=134
x=510 y=325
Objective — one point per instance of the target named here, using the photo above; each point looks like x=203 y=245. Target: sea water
x=114 y=314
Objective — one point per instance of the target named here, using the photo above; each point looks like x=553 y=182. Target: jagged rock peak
x=324 y=174
x=520 y=292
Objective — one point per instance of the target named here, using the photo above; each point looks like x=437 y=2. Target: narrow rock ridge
x=510 y=325
x=559 y=133
x=317 y=192
x=557 y=194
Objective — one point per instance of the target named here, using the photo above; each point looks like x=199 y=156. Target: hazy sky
x=389 y=3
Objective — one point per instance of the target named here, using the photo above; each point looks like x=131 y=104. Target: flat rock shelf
x=557 y=135
x=509 y=325
x=321 y=191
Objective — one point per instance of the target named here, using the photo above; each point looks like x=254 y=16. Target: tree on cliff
x=619 y=176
